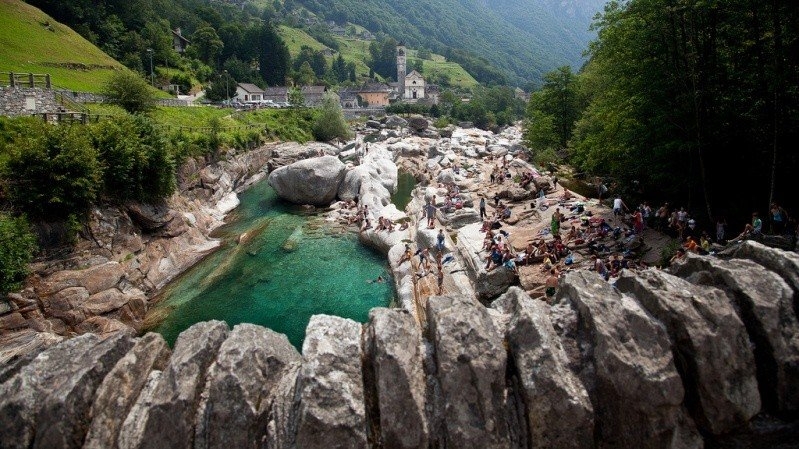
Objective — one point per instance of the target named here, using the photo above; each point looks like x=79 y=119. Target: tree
x=305 y=75
x=273 y=56
x=330 y=123
x=296 y=98
x=17 y=246
x=129 y=91
x=221 y=88
x=383 y=57
x=207 y=45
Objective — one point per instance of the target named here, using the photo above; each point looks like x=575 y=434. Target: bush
x=17 y=246
x=130 y=91
x=330 y=123
x=54 y=173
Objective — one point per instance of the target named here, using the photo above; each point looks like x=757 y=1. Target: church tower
x=401 y=69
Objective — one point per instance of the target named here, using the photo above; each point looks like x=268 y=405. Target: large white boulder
x=311 y=181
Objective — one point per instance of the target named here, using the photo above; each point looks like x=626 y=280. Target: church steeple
x=401 y=69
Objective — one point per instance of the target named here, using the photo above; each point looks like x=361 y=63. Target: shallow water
x=405 y=185
x=288 y=267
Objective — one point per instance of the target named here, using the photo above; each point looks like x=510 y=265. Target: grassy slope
x=28 y=45
x=357 y=50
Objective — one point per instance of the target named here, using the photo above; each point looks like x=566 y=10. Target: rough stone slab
x=718 y=364
x=487 y=284
x=784 y=263
x=394 y=347
x=17 y=349
x=470 y=364
x=121 y=388
x=46 y=404
x=165 y=418
x=765 y=304
x=281 y=425
x=637 y=394
x=104 y=301
x=240 y=388
x=331 y=411
x=559 y=410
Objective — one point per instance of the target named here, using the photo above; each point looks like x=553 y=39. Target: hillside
x=357 y=50
x=34 y=42
x=524 y=38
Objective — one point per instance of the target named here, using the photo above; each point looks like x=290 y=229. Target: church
x=411 y=87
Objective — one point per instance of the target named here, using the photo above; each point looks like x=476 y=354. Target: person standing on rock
x=617 y=206
x=440 y=241
x=431 y=215
x=551 y=284
x=482 y=208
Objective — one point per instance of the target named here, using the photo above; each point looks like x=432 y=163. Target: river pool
x=289 y=266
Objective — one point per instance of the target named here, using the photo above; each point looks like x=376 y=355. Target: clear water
x=405 y=185
x=289 y=267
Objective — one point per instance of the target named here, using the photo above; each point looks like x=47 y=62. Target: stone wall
x=22 y=101
x=658 y=361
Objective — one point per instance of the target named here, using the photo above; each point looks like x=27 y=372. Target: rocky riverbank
x=124 y=255
x=658 y=361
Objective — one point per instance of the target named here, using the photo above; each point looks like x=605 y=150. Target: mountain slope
x=525 y=38
x=33 y=42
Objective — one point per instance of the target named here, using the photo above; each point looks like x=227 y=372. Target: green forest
x=690 y=101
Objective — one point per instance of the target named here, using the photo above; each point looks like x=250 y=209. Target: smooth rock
x=331 y=410
x=165 y=418
x=394 y=347
x=470 y=368
x=712 y=343
x=637 y=394
x=559 y=410
x=240 y=388
x=121 y=387
x=311 y=181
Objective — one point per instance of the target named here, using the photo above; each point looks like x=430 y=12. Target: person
x=551 y=284
x=430 y=208
x=638 y=221
x=555 y=183
x=680 y=255
x=617 y=205
x=406 y=256
x=601 y=189
x=496 y=199
x=757 y=224
x=554 y=224
x=601 y=269
x=778 y=219
x=721 y=228
x=440 y=241
x=440 y=279
x=508 y=261
x=482 y=207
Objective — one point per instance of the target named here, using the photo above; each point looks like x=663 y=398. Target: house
x=432 y=92
x=349 y=98
x=278 y=94
x=338 y=30
x=375 y=94
x=313 y=95
x=179 y=43
x=248 y=93
x=366 y=35
x=328 y=52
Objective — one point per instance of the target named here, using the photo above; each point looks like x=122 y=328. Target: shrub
x=330 y=123
x=17 y=246
x=130 y=91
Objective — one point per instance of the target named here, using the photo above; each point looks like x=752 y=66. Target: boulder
x=447 y=131
x=784 y=263
x=121 y=387
x=18 y=348
x=637 y=392
x=290 y=152
x=151 y=217
x=240 y=387
x=46 y=404
x=460 y=218
x=312 y=181
x=165 y=417
x=559 y=411
x=446 y=176
x=394 y=348
x=374 y=124
x=395 y=121
x=711 y=342
x=331 y=411
x=418 y=123
x=470 y=365
x=487 y=284
x=765 y=304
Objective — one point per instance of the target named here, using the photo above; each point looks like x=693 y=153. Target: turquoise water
x=289 y=267
x=405 y=184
